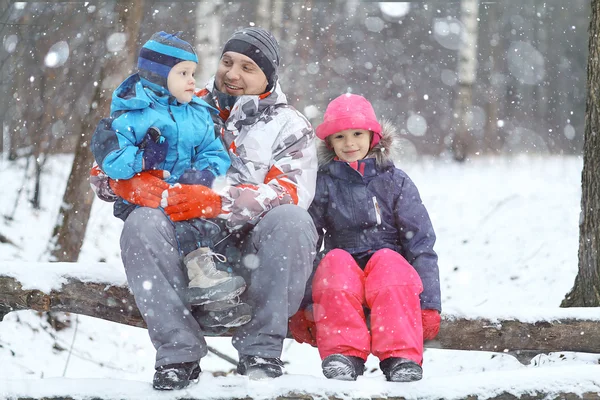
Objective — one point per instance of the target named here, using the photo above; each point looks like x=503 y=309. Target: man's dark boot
x=397 y=369
x=344 y=368
x=176 y=376
x=256 y=368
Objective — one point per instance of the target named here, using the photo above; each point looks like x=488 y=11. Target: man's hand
x=431 y=323
x=183 y=202
x=303 y=328
x=144 y=189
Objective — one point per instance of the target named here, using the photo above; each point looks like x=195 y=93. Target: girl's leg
x=392 y=289
x=339 y=296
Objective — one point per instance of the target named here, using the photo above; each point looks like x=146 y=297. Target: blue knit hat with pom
x=158 y=55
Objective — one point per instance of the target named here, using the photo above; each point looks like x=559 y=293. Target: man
x=270 y=183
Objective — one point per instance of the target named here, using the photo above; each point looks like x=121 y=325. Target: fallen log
x=100 y=290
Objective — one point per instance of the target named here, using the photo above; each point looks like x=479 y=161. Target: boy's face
x=237 y=75
x=351 y=145
x=181 y=81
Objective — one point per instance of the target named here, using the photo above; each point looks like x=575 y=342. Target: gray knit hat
x=261 y=46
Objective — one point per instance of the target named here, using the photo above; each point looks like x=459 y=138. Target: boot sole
x=336 y=367
x=258 y=374
x=406 y=376
x=231 y=317
x=176 y=387
x=194 y=378
x=238 y=321
x=224 y=291
x=341 y=372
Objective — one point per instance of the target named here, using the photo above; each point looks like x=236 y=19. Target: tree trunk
x=555 y=330
x=263 y=14
x=208 y=39
x=69 y=231
x=277 y=19
x=492 y=142
x=586 y=290
x=462 y=142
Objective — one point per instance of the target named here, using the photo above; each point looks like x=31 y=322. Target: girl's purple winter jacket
x=380 y=208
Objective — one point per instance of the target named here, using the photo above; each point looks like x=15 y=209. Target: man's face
x=181 y=81
x=238 y=75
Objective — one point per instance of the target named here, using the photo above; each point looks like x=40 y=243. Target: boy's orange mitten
x=144 y=189
x=185 y=202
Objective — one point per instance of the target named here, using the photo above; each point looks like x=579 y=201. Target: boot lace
x=210 y=267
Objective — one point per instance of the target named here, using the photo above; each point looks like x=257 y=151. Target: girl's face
x=351 y=144
x=181 y=81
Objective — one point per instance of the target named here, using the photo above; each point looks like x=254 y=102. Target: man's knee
x=142 y=221
x=144 y=217
x=290 y=220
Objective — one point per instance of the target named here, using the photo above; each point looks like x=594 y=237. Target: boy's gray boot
x=207 y=283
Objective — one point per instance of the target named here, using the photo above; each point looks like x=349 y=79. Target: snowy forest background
x=528 y=95
x=507 y=80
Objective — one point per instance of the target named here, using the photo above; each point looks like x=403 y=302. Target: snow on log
x=100 y=290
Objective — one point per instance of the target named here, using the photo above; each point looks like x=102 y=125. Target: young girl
x=378 y=251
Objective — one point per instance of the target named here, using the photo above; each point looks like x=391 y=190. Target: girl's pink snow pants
x=389 y=286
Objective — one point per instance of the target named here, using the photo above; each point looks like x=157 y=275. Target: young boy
x=159 y=123
x=378 y=251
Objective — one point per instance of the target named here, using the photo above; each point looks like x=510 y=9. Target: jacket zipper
x=377 y=210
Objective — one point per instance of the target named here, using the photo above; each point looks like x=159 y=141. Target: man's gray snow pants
x=276 y=260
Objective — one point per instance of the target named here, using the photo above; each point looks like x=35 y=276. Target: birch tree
x=263 y=13
x=467 y=72
x=208 y=38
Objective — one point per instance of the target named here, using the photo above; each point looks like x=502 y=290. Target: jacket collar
x=365 y=168
x=247 y=108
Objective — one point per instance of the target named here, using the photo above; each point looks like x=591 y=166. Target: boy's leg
x=156 y=277
x=392 y=289
x=339 y=296
x=276 y=260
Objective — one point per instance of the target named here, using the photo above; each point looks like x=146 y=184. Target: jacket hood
x=384 y=152
x=132 y=95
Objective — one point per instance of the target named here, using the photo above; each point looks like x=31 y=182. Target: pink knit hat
x=349 y=111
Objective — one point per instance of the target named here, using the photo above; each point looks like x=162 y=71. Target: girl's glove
x=183 y=202
x=144 y=189
x=303 y=328
x=431 y=323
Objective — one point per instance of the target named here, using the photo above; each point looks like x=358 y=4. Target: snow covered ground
x=507 y=240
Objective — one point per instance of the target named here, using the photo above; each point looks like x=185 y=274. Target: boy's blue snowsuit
x=189 y=132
